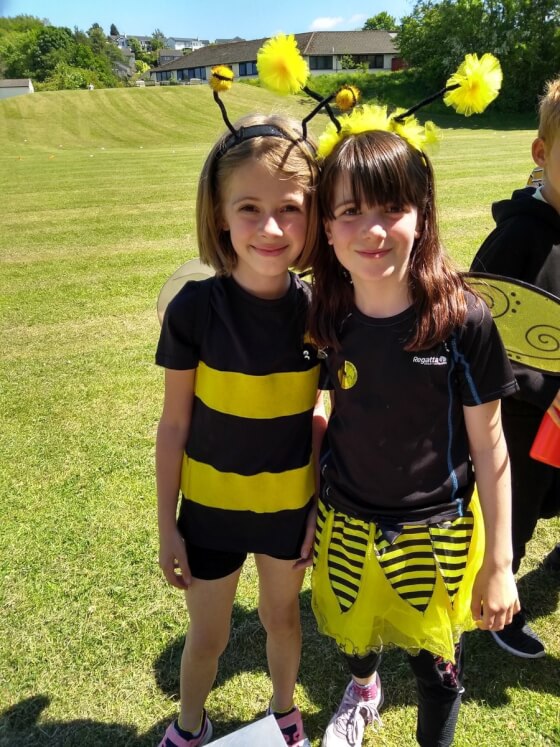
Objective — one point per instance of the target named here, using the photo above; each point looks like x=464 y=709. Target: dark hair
x=290 y=157
x=382 y=168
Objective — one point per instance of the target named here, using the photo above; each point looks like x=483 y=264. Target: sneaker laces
x=353 y=715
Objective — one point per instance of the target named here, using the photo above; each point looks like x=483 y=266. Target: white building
x=15 y=87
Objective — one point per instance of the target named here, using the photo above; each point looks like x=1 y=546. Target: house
x=122 y=41
x=323 y=51
x=168 y=54
x=145 y=42
x=177 y=42
x=15 y=87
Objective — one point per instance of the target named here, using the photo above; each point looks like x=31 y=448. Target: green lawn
x=97 y=203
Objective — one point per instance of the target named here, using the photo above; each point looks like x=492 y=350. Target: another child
x=526 y=245
x=235 y=436
x=417 y=371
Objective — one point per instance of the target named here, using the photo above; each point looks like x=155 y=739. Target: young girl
x=417 y=371
x=235 y=434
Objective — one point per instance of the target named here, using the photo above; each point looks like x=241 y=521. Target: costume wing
x=535 y=177
x=191 y=270
x=528 y=319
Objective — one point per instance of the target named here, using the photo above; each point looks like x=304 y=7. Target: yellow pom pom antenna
x=221 y=78
x=476 y=83
x=471 y=88
x=281 y=67
x=347 y=97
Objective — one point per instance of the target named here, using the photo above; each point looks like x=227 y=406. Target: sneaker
x=519 y=639
x=291 y=726
x=347 y=725
x=175 y=737
x=552 y=560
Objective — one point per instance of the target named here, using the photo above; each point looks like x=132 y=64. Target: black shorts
x=210 y=565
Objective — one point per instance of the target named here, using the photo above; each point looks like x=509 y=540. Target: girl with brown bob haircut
x=292 y=158
x=235 y=436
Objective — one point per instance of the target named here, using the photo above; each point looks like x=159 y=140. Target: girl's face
x=266 y=217
x=372 y=242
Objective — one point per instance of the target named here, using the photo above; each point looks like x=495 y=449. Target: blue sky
x=208 y=19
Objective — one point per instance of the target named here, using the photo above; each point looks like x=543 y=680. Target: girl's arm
x=494 y=599
x=319 y=427
x=172 y=433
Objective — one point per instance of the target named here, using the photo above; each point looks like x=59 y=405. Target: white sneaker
x=347 y=725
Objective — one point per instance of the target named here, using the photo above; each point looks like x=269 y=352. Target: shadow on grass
x=490 y=672
x=20 y=727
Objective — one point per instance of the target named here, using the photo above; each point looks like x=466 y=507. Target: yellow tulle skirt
x=414 y=592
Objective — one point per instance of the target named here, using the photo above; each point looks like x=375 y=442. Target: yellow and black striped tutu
x=413 y=592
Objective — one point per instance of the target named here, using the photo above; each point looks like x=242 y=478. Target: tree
x=157 y=40
x=347 y=62
x=54 y=57
x=435 y=37
x=114 y=30
x=52 y=45
x=380 y=22
x=97 y=38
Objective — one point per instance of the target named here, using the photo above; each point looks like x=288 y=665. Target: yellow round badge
x=347 y=375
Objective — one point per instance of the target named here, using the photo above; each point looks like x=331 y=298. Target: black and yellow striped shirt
x=247 y=475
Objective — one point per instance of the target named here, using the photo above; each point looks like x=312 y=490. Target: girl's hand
x=173 y=559
x=494 y=599
x=306 y=556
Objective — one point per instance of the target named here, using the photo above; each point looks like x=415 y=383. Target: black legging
x=439 y=686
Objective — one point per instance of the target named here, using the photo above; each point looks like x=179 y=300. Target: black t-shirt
x=247 y=475
x=396 y=446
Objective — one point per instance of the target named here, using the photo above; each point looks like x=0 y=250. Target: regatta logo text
x=433 y=360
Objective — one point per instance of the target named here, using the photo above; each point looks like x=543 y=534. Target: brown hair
x=549 y=112
x=382 y=168
x=290 y=157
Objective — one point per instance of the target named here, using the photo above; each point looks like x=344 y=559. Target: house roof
x=187 y=39
x=228 y=41
x=310 y=43
x=350 y=42
x=15 y=83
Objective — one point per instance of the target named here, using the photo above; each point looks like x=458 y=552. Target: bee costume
x=400 y=535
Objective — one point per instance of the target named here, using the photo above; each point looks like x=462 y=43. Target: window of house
x=374 y=61
x=248 y=68
x=192 y=72
x=321 y=62
x=164 y=75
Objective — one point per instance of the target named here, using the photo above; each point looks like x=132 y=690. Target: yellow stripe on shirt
x=266 y=492
x=261 y=397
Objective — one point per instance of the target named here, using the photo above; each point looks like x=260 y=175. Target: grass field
x=97 y=202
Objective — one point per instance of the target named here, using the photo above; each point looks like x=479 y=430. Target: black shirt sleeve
x=483 y=369
x=177 y=347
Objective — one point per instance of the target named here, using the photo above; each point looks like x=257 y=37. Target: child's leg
x=440 y=689
x=279 y=587
x=363 y=668
x=209 y=604
x=360 y=703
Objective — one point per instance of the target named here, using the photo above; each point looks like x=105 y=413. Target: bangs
x=379 y=168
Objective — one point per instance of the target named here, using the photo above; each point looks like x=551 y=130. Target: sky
x=208 y=19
